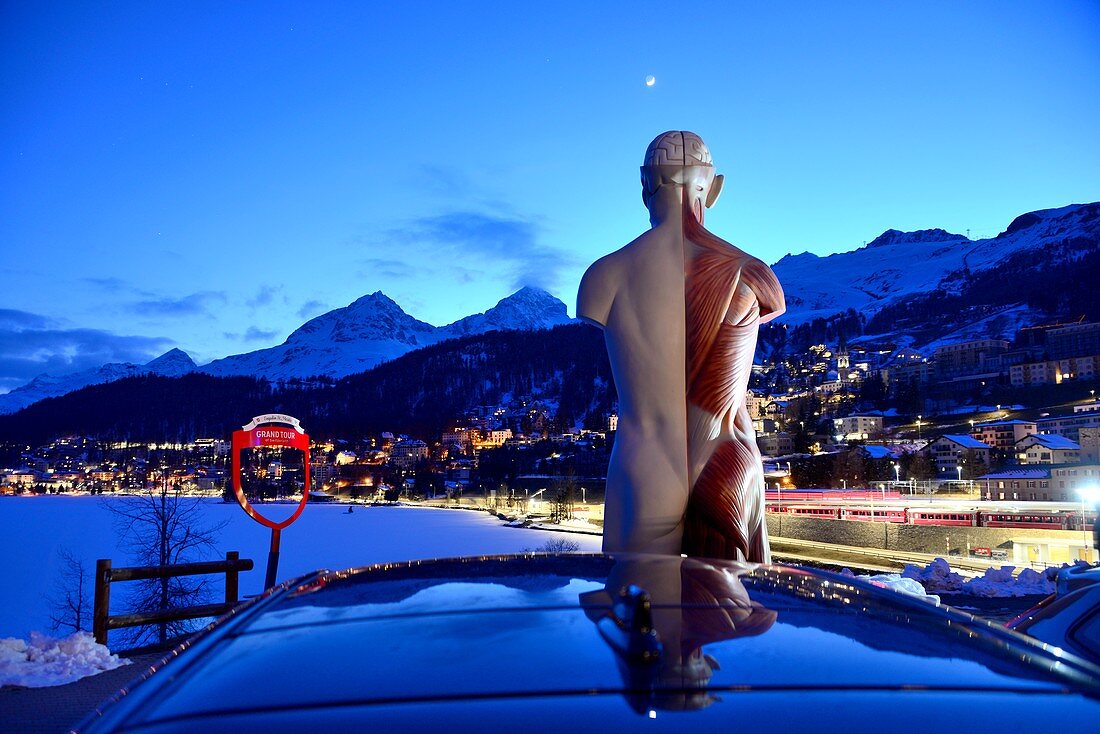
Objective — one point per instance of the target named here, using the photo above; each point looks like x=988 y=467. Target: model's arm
x=769 y=292
x=595 y=295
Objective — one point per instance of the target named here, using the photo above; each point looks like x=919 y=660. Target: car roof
x=644 y=634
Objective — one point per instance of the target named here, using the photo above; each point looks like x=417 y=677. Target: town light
x=1090 y=494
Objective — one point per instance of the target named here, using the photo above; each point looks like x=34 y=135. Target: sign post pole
x=270 y=431
x=273 y=558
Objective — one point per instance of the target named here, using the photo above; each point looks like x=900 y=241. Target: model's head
x=680 y=159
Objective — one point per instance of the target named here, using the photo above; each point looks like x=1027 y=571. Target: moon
x=650 y=80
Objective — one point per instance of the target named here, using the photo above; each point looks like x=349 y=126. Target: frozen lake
x=33 y=529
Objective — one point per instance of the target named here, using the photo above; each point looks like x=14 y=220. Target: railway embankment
x=907 y=538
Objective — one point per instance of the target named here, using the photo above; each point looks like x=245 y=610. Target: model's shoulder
x=616 y=261
x=711 y=245
x=762 y=280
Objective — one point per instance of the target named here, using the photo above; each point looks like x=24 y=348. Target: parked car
x=599 y=643
x=1070 y=618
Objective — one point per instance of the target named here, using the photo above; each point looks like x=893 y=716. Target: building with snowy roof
x=1003 y=434
x=951 y=452
x=1039 y=483
x=1068 y=425
x=1047 y=449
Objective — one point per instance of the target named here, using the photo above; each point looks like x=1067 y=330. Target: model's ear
x=648 y=187
x=715 y=190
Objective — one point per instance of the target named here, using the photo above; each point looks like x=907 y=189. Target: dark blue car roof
x=625 y=638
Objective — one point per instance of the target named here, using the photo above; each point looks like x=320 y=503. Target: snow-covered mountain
x=341 y=342
x=912 y=288
x=371 y=330
x=527 y=309
x=375 y=329
x=893 y=264
x=172 y=363
x=898 y=268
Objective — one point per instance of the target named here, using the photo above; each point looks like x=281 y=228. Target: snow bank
x=896 y=582
x=1000 y=582
x=938 y=578
x=45 y=661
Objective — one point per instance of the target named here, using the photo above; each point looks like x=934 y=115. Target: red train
x=1048 y=520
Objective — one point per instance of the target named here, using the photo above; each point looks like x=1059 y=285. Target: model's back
x=680 y=308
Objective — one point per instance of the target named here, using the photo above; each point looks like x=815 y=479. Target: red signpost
x=272 y=430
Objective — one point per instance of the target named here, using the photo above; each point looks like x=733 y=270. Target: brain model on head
x=678 y=148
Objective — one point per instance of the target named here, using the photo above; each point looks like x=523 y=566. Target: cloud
x=252 y=334
x=264 y=295
x=310 y=309
x=386 y=268
x=30 y=347
x=190 y=305
x=474 y=238
x=117 y=284
x=12 y=319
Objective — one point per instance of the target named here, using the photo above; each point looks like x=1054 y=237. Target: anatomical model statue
x=680 y=309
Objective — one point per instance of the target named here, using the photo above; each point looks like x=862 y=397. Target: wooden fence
x=105 y=575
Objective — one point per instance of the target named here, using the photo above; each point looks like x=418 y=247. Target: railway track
x=882 y=559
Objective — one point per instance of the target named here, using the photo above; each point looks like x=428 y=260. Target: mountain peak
x=376 y=299
x=528 y=309
x=804 y=256
x=371 y=317
x=897 y=237
x=1081 y=212
x=534 y=296
x=173 y=357
x=173 y=363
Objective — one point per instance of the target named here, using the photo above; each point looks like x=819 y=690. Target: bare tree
x=70 y=600
x=563 y=497
x=162 y=527
x=556 y=545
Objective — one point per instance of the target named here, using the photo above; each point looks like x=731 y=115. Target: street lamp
x=919 y=417
x=1091 y=495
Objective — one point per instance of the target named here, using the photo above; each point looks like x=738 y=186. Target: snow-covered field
x=32 y=530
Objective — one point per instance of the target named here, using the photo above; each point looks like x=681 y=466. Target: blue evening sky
x=209 y=175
